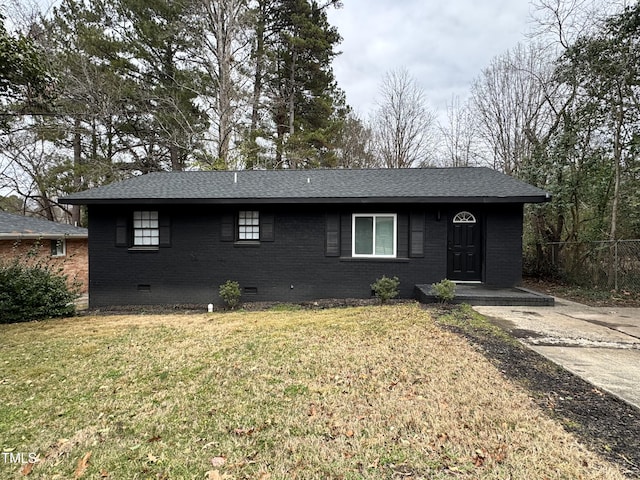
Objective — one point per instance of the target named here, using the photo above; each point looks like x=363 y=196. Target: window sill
x=374 y=259
x=246 y=243
x=144 y=249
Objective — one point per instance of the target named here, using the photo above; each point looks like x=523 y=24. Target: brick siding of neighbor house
x=74 y=264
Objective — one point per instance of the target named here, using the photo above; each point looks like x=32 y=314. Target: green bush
x=230 y=293
x=34 y=292
x=386 y=288
x=445 y=290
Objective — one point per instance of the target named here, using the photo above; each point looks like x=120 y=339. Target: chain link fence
x=611 y=265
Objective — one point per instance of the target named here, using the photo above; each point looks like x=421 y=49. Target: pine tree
x=294 y=83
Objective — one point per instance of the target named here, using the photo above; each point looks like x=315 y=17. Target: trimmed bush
x=34 y=292
x=230 y=293
x=386 y=288
x=445 y=290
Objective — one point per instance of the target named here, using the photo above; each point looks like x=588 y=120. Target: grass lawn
x=368 y=392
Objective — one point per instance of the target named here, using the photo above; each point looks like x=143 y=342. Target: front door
x=464 y=245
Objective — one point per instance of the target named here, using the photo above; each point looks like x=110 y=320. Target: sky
x=444 y=45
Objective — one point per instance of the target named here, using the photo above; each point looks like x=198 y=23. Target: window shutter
x=416 y=238
x=122 y=239
x=267 y=233
x=164 y=225
x=332 y=236
x=226 y=231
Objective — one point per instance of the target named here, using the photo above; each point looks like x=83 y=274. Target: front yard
x=367 y=392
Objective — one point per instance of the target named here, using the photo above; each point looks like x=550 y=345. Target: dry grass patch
x=372 y=392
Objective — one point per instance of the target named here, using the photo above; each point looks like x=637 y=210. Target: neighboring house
x=296 y=235
x=56 y=244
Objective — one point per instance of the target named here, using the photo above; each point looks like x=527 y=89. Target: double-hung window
x=146 y=229
x=374 y=235
x=58 y=247
x=249 y=225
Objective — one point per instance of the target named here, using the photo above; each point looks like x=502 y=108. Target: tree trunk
x=77 y=169
x=222 y=19
x=617 y=159
x=252 y=156
x=293 y=160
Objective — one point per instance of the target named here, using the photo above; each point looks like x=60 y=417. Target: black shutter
x=267 y=233
x=226 y=231
x=164 y=222
x=416 y=237
x=122 y=238
x=332 y=235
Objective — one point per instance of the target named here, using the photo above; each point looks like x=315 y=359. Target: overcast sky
x=443 y=44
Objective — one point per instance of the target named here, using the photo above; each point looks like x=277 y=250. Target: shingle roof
x=18 y=226
x=429 y=185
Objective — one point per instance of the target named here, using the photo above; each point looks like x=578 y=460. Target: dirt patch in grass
x=600 y=420
x=363 y=392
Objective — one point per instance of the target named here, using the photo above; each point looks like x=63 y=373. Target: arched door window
x=464 y=217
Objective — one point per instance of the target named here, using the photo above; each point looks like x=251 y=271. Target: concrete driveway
x=600 y=344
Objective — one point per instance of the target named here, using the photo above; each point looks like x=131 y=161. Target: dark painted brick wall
x=293 y=267
x=503 y=245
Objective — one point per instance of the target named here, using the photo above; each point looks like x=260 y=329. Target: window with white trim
x=58 y=247
x=146 y=229
x=374 y=235
x=249 y=225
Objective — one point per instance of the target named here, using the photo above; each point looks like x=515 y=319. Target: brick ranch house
x=298 y=235
x=57 y=244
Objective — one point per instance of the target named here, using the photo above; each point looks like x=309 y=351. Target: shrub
x=445 y=290
x=386 y=288
x=34 y=292
x=230 y=293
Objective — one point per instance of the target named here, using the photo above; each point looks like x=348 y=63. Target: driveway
x=600 y=344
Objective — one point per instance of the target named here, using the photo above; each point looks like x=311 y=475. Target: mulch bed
x=603 y=422
x=188 y=309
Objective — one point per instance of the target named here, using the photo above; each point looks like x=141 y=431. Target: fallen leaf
x=218 y=461
x=500 y=454
x=104 y=474
x=26 y=470
x=349 y=433
x=152 y=458
x=213 y=475
x=154 y=439
x=264 y=476
x=479 y=457
x=83 y=464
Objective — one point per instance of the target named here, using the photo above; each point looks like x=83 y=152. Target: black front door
x=464 y=245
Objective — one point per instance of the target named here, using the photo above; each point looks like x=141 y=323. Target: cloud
x=443 y=45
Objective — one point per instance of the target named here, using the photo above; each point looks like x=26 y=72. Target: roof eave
x=306 y=200
x=43 y=236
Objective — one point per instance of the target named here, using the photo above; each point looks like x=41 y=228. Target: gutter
x=43 y=236
x=308 y=200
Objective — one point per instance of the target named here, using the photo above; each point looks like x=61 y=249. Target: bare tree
x=562 y=21
x=29 y=168
x=458 y=135
x=403 y=123
x=226 y=49
x=355 y=144
x=514 y=102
